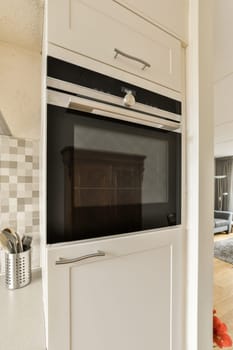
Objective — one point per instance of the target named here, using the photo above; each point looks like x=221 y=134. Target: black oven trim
x=72 y=73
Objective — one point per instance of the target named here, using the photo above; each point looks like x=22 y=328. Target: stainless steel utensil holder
x=18 y=269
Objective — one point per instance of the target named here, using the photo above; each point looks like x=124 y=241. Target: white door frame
x=200 y=176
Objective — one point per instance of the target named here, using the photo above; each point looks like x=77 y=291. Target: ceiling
x=21 y=23
x=223 y=78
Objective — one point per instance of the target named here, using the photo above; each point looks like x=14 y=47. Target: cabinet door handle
x=119 y=52
x=63 y=261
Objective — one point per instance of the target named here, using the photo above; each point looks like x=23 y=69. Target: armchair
x=222 y=221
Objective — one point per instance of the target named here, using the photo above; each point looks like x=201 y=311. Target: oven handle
x=93 y=107
x=64 y=261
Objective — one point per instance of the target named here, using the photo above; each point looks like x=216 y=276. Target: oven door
x=110 y=170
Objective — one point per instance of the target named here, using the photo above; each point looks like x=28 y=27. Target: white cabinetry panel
x=118 y=301
x=170 y=14
x=96 y=29
x=131 y=298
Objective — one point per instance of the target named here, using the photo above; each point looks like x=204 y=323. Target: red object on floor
x=220 y=336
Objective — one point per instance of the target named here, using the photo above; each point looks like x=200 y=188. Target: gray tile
x=20 y=201
x=21 y=143
x=35 y=221
x=35 y=166
x=28 y=158
x=4 y=178
x=28 y=179
x=12 y=164
x=4 y=164
x=35 y=194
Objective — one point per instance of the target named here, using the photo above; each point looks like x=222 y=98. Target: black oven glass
x=107 y=177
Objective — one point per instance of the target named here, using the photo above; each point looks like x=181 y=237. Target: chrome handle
x=63 y=261
x=119 y=52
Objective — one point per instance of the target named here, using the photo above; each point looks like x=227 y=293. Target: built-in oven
x=113 y=156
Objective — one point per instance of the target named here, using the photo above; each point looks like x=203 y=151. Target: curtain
x=224 y=185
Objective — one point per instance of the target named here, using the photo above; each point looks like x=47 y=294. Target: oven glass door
x=107 y=177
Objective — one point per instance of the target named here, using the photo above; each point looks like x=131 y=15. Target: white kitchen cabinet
x=97 y=29
x=169 y=14
x=131 y=298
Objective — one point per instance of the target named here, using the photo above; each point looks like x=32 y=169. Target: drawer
x=109 y=33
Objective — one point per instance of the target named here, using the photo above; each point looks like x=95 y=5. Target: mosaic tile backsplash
x=19 y=189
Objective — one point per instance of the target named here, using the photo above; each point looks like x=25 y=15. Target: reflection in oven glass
x=103 y=191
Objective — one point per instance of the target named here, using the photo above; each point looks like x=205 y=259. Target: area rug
x=223 y=250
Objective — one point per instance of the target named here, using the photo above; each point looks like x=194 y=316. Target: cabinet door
x=170 y=14
x=98 y=29
x=131 y=298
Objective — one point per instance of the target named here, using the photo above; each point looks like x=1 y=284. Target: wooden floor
x=223 y=288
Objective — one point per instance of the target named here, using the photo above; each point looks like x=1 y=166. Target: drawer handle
x=119 y=52
x=63 y=261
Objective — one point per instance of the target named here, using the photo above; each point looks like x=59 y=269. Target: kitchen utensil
x=19 y=242
x=6 y=244
x=11 y=238
x=26 y=240
x=19 y=245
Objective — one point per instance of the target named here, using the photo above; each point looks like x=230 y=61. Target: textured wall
x=20 y=90
x=21 y=23
x=19 y=188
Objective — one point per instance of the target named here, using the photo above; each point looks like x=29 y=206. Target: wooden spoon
x=8 y=233
x=6 y=244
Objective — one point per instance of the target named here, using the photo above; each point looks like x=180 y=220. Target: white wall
x=20 y=100
x=223 y=78
x=20 y=89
